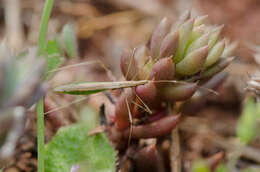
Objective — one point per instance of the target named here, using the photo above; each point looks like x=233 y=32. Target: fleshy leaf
x=185 y=32
x=200 y=20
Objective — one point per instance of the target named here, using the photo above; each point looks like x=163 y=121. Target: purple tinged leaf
x=128 y=64
x=141 y=56
x=163 y=69
x=215 y=81
x=144 y=63
x=178 y=92
x=229 y=49
x=145 y=71
x=147 y=93
x=200 y=20
x=216 y=68
x=169 y=45
x=121 y=109
x=155 y=129
x=182 y=19
x=185 y=16
x=158 y=36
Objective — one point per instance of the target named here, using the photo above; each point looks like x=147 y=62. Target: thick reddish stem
x=214 y=160
x=148 y=159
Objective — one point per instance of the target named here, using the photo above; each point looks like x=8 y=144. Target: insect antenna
x=147 y=109
x=65 y=106
x=130 y=64
x=74 y=65
x=131 y=121
x=140 y=106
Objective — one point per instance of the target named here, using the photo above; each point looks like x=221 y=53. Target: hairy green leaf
x=72 y=146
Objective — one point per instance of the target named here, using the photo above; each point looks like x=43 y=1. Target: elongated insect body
x=95 y=87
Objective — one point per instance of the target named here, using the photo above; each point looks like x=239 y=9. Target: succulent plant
x=21 y=78
x=20 y=87
x=179 y=59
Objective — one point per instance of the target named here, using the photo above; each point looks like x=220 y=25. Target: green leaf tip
x=69 y=39
x=54 y=56
x=247 y=125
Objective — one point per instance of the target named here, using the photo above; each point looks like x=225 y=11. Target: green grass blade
x=40 y=111
x=44 y=25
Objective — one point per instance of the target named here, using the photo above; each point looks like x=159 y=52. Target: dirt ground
x=104 y=29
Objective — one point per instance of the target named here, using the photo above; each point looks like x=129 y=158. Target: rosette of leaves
x=180 y=58
x=20 y=87
x=20 y=78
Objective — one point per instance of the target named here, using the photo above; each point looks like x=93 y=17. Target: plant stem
x=175 y=149
x=44 y=25
x=40 y=109
x=40 y=135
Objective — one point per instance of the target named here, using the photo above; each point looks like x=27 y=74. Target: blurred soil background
x=104 y=28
